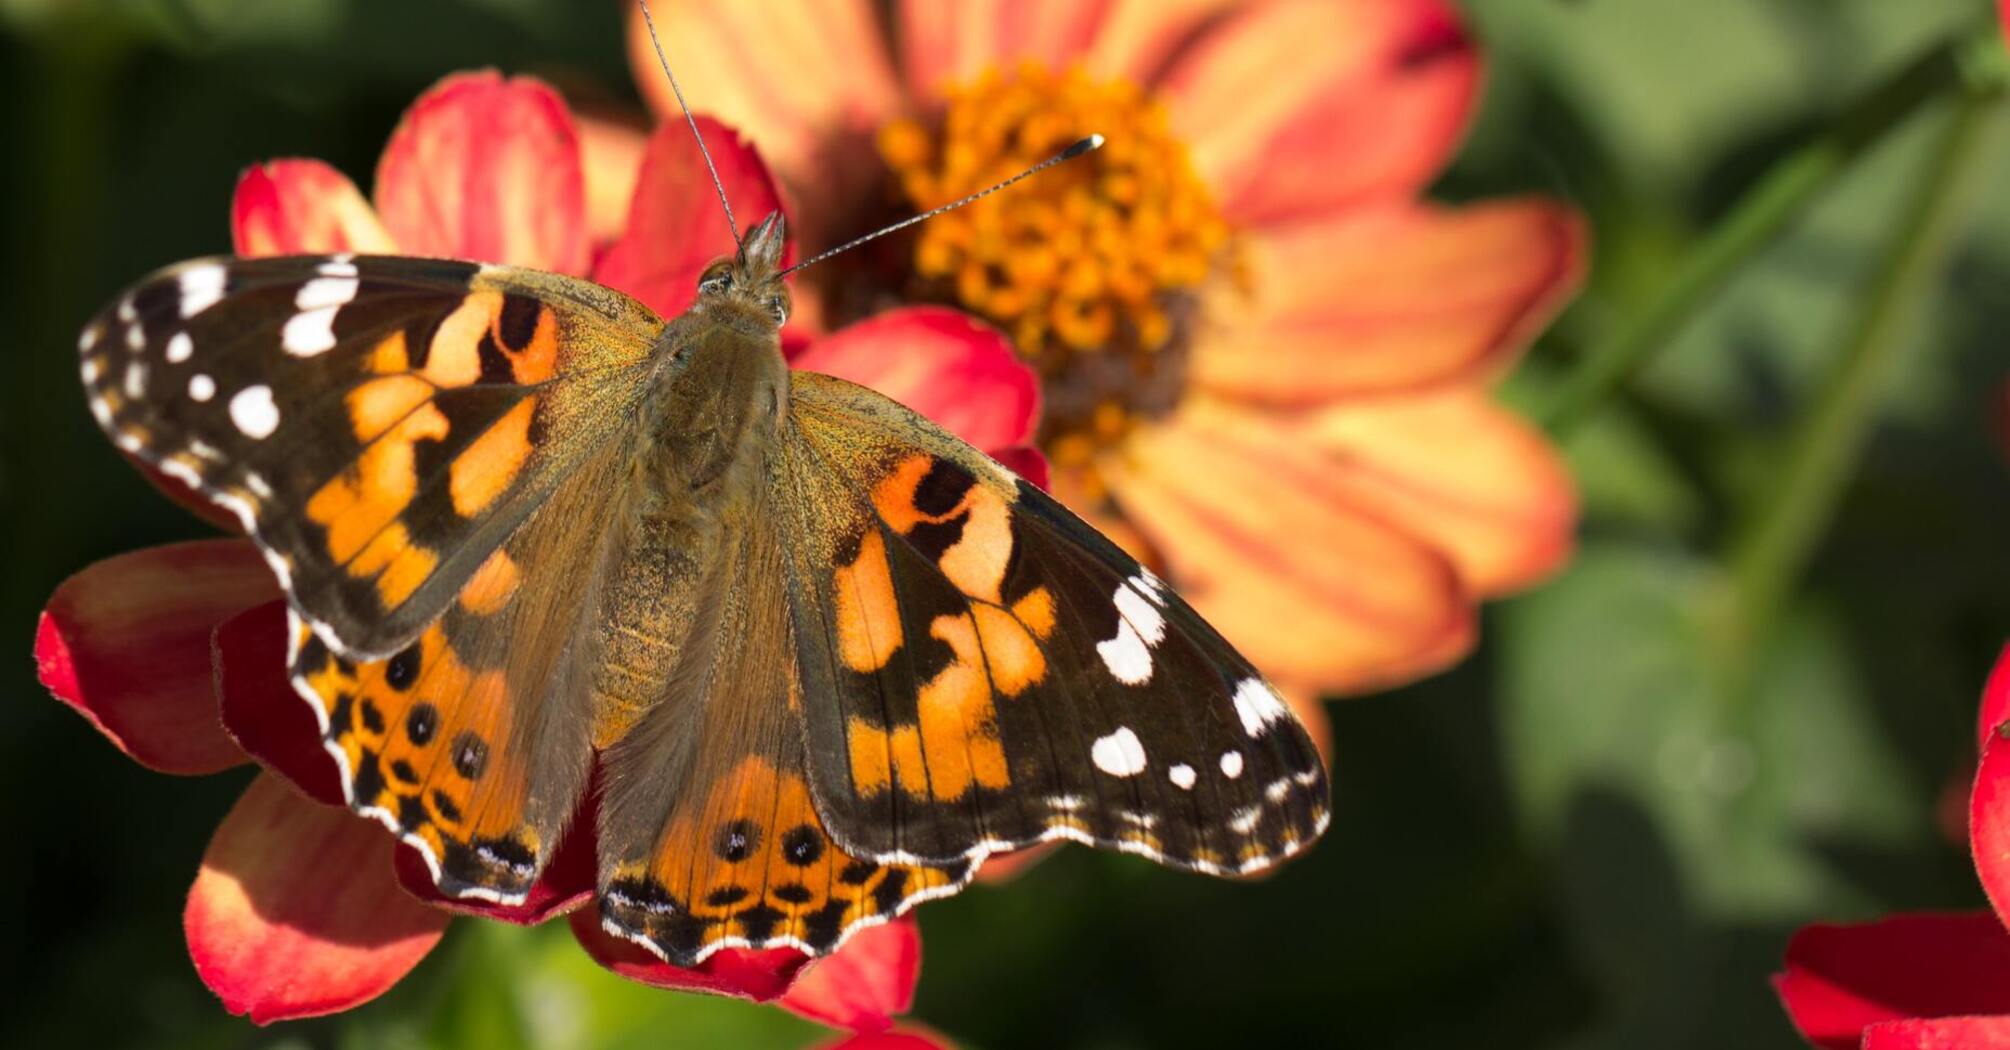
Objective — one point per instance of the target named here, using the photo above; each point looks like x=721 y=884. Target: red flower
x=175 y=653
x=1266 y=363
x=1921 y=980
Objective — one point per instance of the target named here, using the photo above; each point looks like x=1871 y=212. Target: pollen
x=1091 y=266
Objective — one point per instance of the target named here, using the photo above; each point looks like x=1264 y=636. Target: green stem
x=1770 y=552
x=1782 y=193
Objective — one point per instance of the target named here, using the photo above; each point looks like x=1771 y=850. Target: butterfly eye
x=779 y=306
x=713 y=282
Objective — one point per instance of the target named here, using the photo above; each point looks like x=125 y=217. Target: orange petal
x=1484 y=487
x=293 y=207
x=675 y=226
x=1136 y=36
x=1298 y=107
x=611 y=157
x=942 y=363
x=295 y=912
x=1262 y=536
x=944 y=44
x=864 y=985
x=126 y=643
x=809 y=88
x=487 y=169
x=1390 y=299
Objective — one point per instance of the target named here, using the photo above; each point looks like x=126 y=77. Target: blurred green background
x=1581 y=837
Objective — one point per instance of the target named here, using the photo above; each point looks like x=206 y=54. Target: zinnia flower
x=1265 y=361
x=1922 y=981
x=176 y=653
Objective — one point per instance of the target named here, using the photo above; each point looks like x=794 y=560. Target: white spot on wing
x=1141 y=614
x=127 y=312
x=1182 y=776
x=136 y=337
x=92 y=333
x=253 y=411
x=93 y=368
x=201 y=287
x=323 y=292
x=309 y=333
x=201 y=387
x=1231 y=764
x=338 y=266
x=1120 y=754
x=136 y=380
x=180 y=348
x=1258 y=706
x=1126 y=655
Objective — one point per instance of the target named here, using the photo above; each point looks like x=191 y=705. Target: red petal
x=1995 y=696
x=1942 y=1033
x=488 y=169
x=675 y=225
x=188 y=498
x=757 y=975
x=944 y=364
x=1840 y=978
x=866 y=983
x=1390 y=299
x=293 y=913
x=566 y=884
x=905 y=1037
x=809 y=88
x=1026 y=462
x=126 y=643
x=293 y=207
x=1372 y=110
x=1001 y=868
x=1989 y=822
x=262 y=711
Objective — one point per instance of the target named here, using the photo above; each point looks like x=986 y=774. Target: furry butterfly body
x=826 y=656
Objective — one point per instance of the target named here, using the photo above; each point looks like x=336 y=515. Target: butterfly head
x=750 y=281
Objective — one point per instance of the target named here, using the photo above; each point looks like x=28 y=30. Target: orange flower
x=1265 y=361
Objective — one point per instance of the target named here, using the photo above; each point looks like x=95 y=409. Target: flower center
x=1092 y=266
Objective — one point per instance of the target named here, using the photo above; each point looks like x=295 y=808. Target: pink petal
x=126 y=643
x=1229 y=497
x=1376 y=97
x=866 y=983
x=1940 y=1033
x=1025 y=461
x=260 y=708
x=757 y=975
x=487 y=169
x=1995 y=708
x=675 y=225
x=944 y=364
x=1839 y=979
x=810 y=89
x=566 y=884
x=1391 y=298
x=1481 y=485
x=294 y=207
x=294 y=913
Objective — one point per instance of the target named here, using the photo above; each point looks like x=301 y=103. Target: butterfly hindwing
x=988 y=672
x=709 y=837
x=379 y=424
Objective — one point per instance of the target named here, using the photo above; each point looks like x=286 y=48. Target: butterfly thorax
x=722 y=388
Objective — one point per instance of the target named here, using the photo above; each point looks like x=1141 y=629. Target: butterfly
x=826 y=656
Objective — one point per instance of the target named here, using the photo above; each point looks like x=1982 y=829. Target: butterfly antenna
x=650 y=22
x=1080 y=147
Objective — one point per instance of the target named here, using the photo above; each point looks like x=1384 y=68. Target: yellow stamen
x=1089 y=259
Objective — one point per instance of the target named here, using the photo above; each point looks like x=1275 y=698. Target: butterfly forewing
x=996 y=673
x=379 y=424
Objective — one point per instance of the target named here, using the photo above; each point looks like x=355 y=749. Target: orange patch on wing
x=868 y=617
x=893 y=497
x=491 y=462
x=959 y=725
x=780 y=858
x=454 y=357
x=492 y=585
x=399 y=564
x=390 y=357
x=537 y=359
x=380 y=404
x=881 y=756
x=359 y=504
x=976 y=563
